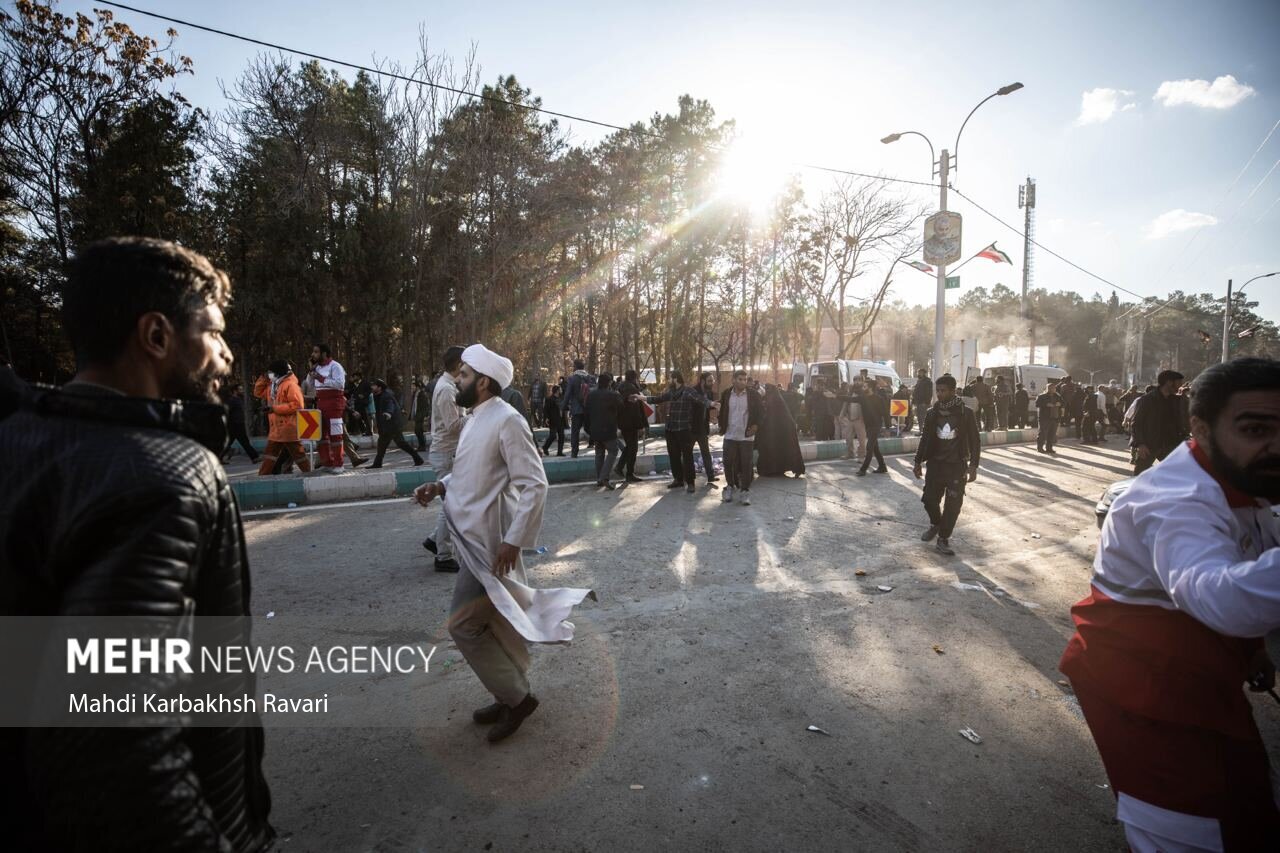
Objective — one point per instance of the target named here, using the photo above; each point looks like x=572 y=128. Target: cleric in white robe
x=493 y=501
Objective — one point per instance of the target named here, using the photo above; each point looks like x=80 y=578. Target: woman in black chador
x=777 y=443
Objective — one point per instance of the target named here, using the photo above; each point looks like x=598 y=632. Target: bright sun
x=752 y=175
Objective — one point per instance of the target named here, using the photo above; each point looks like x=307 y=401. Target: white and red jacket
x=1185 y=583
x=329 y=376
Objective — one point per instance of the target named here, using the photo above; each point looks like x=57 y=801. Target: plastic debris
x=970 y=735
x=976 y=587
x=271 y=614
x=1103 y=787
x=884 y=588
x=861 y=573
x=939 y=649
x=292 y=505
x=791 y=518
x=637 y=787
x=1035 y=535
x=818 y=731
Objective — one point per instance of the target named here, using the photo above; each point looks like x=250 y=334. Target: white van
x=1033 y=377
x=847 y=370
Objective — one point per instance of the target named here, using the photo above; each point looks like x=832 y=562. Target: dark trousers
x=1088 y=430
x=241 y=437
x=824 y=427
x=708 y=464
x=873 y=447
x=1048 y=436
x=1002 y=414
x=555 y=432
x=944 y=480
x=392 y=432
x=739 y=464
x=419 y=432
x=606 y=455
x=680 y=451
x=1019 y=418
x=576 y=432
x=630 y=447
x=987 y=416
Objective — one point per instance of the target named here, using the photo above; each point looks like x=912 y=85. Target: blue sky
x=823 y=81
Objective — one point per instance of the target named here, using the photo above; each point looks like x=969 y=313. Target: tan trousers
x=855 y=429
x=497 y=653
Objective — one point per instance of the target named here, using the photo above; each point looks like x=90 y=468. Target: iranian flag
x=920 y=265
x=991 y=253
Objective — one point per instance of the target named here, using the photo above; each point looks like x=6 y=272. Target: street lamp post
x=943 y=165
x=1226 y=313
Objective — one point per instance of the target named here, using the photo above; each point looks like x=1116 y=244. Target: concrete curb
x=370 y=442
x=298 y=490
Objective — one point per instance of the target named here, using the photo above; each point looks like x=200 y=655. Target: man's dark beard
x=1260 y=480
x=199 y=386
x=468 y=394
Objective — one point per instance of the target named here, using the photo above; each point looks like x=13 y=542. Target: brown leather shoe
x=512 y=718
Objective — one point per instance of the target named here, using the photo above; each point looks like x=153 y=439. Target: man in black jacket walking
x=949 y=443
x=604 y=406
x=1158 y=423
x=115 y=505
x=633 y=424
x=921 y=395
x=390 y=423
x=741 y=411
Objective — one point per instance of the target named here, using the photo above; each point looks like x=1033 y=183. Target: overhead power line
x=392 y=75
x=1066 y=261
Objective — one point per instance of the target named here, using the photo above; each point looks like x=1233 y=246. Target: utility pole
x=1226 y=326
x=1137 y=370
x=1027 y=201
x=941 y=364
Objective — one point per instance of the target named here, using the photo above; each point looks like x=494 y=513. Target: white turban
x=485 y=361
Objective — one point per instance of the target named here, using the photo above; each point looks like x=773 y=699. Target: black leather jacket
x=113 y=506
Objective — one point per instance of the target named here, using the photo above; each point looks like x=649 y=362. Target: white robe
x=495 y=495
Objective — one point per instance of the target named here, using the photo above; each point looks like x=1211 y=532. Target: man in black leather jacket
x=114 y=504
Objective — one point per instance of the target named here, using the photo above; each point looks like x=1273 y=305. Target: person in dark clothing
x=1048 y=414
x=361 y=391
x=795 y=402
x=951 y=446
x=1089 y=417
x=986 y=403
x=234 y=400
x=702 y=426
x=922 y=395
x=904 y=393
x=421 y=412
x=115 y=506
x=604 y=406
x=685 y=405
x=633 y=423
x=537 y=401
x=390 y=423
x=512 y=397
x=574 y=403
x=1158 y=423
x=875 y=414
x=555 y=421
x=1021 y=403
x=1004 y=397
x=821 y=418
x=778 y=442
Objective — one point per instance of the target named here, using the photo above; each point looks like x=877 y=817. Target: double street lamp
x=1226 y=313
x=941 y=169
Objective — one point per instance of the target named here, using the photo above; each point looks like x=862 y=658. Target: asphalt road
x=721 y=633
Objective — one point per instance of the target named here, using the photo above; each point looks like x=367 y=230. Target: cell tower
x=1027 y=202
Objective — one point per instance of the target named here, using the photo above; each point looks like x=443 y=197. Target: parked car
x=1113 y=491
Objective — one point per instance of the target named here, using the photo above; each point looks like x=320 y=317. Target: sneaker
x=632 y=478
x=862 y=472
x=674 y=484
x=882 y=470
x=944 y=546
x=447 y=564
x=690 y=488
x=726 y=494
x=929 y=534
x=746 y=499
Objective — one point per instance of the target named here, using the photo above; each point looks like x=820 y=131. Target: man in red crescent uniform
x=331 y=383
x=1185 y=586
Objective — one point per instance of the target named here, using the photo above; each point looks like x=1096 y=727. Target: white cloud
x=1098 y=105
x=1177 y=220
x=1222 y=94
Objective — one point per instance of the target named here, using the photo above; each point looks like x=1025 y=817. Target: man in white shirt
x=741 y=410
x=1186 y=583
x=446 y=426
x=330 y=382
x=493 y=505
